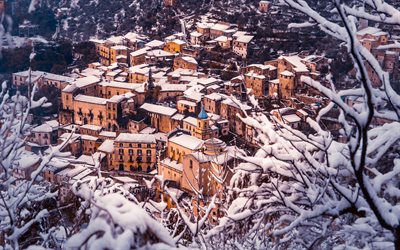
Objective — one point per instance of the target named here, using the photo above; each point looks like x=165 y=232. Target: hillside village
x=152 y=108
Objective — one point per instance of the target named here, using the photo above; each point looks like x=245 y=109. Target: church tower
x=150 y=89
x=203 y=130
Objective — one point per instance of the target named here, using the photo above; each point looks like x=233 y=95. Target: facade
x=241 y=45
x=134 y=152
x=175 y=46
x=118 y=53
x=160 y=116
x=185 y=62
x=45 y=134
x=42 y=79
x=263 y=6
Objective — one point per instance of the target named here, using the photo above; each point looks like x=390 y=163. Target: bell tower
x=203 y=130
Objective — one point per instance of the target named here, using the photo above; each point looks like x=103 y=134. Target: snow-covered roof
x=133 y=37
x=188 y=103
x=186 y=141
x=244 y=39
x=293 y=118
x=53 y=123
x=220 y=27
x=108 y=134
x=196 y=34
x=135 y=138
x=90 y=99
x=172 y=164
x=115 y=39
x=218 y=159
x=179 y=42
x=155 y=44
x=46 y=75
x=204 y=25
x=239 y=33
x=85 y=81
x=86 y=159
x=89 y=138
x=191 y=120
x=371 y=31
x=214 y=96
x=140 y=52
x=124 y=179
x=287 y=73
x=274 y=81
x=93 y=72
x=119 y=47
x=221 y=39
x=107 y=146
x=261 y=66
x=189 y=59
x=121 y=85
x=91 y=127
x=178 y=117
x=297 y=63
x=158 y=109
x=255 y=75
x=207 y=81
x=94 y=40
x=119 y=98
x=159 y=53
x=43 y=128
x=228 y=101
x=173 y=87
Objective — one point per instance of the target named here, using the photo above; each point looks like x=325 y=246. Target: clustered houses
x=227 y=36
x=379 y=43
x=42 y=79
x=147 y=108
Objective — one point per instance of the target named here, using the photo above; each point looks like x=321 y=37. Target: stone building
x=134 y=152
x=241 y=45
x=185 y=62
x=263 y=6
x=175 y=46
x=160 y=116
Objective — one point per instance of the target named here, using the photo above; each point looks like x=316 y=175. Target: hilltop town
x=169 y=113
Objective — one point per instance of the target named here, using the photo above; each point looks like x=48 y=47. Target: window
x=149 y=145
x=148 y=152
x=191 y=164
x=121 y=151
x=139 y=146
x=130 y=151
x=139 y=152
x=121 y=145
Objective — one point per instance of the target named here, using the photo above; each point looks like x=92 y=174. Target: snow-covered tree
x=23 y=218
x=116 y=219
x=309 y=190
